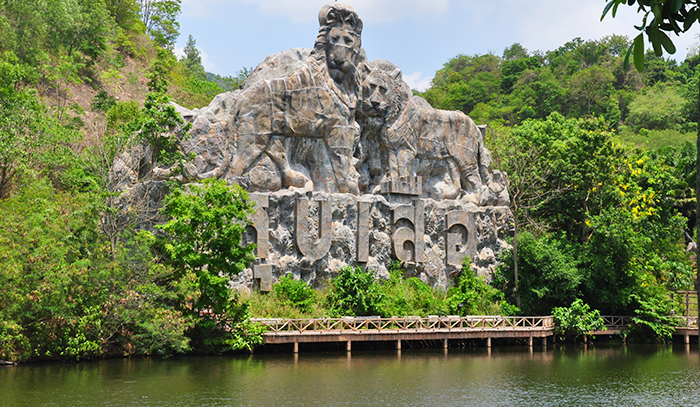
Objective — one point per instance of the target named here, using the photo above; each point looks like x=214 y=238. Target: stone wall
x=312 y=235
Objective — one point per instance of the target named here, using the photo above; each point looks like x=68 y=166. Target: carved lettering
x=313 y=248
x=403 y=237
x=363 y=209
x=260 y=222
x=461 y=237
x=263 y=273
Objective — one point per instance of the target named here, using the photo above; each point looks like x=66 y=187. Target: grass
x=655 y=139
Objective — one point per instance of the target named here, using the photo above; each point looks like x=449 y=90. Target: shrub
x=572 y=322
x=295 y=293
x=408 y=296
x=102 y=101
x=354 y=292
x=473 y=296
x=652 y=320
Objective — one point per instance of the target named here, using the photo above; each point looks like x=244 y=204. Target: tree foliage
x=578 y=319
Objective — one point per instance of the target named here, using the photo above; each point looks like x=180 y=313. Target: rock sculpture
x=444 y=148
x=345 y=164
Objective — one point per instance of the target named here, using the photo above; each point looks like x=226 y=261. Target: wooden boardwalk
x=445 y=328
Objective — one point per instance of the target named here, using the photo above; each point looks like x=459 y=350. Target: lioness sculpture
x=427 y=142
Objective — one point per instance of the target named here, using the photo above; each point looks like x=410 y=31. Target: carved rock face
x=342 y=53
x=395 y=178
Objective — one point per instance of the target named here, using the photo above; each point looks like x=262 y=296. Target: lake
x=632 y=375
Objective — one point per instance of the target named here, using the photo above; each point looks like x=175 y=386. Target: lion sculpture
x=258 y=124
x=444 y=148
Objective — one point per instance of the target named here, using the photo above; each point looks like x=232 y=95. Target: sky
x=418 y=36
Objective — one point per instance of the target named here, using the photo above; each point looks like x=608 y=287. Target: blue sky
x=419 y=36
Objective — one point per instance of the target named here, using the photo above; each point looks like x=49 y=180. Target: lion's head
x=384 y=93
x=339 y=41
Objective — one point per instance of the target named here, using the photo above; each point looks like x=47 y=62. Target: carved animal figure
x=421 y=139
x=317 y=100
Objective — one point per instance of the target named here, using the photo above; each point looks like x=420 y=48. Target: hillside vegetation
x=601 y=179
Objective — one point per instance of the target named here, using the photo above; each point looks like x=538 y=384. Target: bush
x=473 y=296
x=295 y=293
x=652 y=320
x=408 y=296
x=658 y=107
x=102 y=101
x=572 y=322
x=354 y=292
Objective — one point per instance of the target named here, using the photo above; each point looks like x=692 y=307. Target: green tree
x=515 y=51
x=576 y=320
x=159 y=17
x=23 y=122
x=202 y=240
x=657 y=107
x=203 y=234
x=548 y=274
x=589 y=91
x=193 y=60
x=666 y=17
x=63 y=297
x=80 y=25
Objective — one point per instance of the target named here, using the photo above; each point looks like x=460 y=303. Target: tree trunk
x=515 y=259
x=697 y=208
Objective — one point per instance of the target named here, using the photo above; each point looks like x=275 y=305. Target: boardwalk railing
x=445 y=328
x=449 y=323
x=615 y=322
x=687 y=322
x=415 y=324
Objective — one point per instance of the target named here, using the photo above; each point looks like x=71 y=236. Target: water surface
x=593 y=376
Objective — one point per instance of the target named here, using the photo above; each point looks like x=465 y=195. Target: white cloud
x=417 y=81
x=305 y=11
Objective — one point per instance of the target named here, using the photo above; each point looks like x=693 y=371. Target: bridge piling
x=398 y=344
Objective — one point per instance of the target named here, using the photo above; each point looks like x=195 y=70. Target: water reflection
x=553 y=375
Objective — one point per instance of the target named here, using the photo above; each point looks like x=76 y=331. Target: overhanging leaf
x=653 y=33
x=639 y=52
x=607 y=8
x=676 y=5
x=626 y=64
x=666 y=42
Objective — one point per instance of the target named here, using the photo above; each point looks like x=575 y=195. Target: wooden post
x=529 y=341
x=296 y=347
x=348 y=346
x=444 y=343
x=488 y=342
x=398 y=344
x=544 y=341
x=686 y=338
